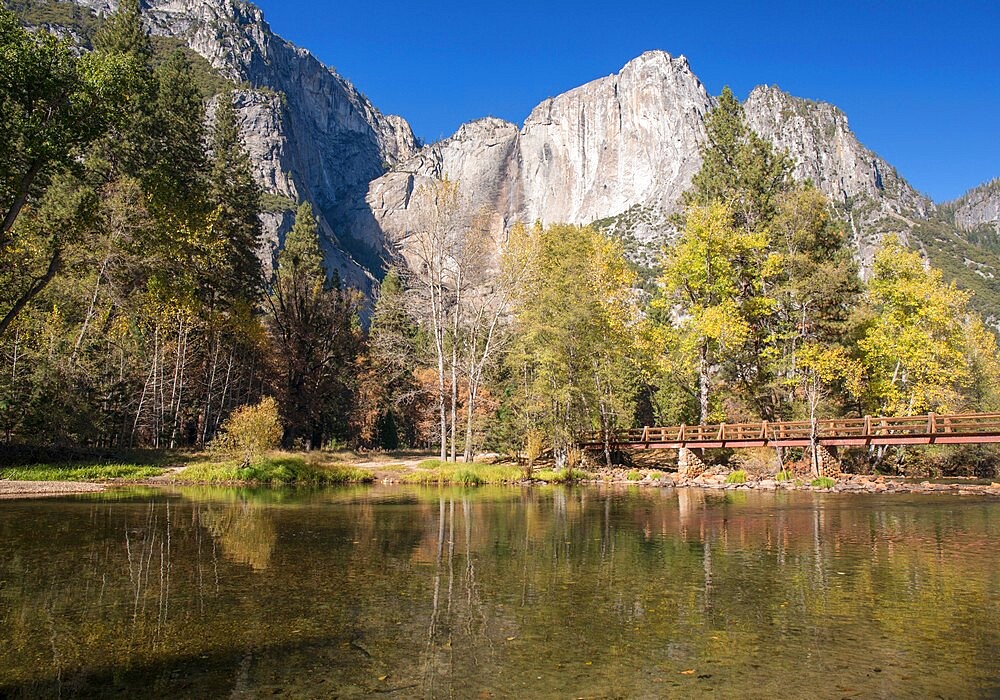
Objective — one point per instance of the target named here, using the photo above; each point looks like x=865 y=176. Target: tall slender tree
x=235 y=196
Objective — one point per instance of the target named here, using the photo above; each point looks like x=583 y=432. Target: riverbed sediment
x=41 y=489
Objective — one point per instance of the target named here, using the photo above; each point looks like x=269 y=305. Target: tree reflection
x=457 y=592
x=245 y=532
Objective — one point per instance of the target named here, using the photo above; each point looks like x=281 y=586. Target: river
x=500 y=592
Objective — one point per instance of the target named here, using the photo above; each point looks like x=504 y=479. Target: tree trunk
x=442 y=408
x=20 y=198
x=703 y=382
x=55 y=263
x=470 y=402
x=454 y=395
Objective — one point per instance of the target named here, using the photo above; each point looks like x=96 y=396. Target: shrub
x=823 y=482
x=574 y=457
x=250 y=431
x=534 y=446
x=737 y=477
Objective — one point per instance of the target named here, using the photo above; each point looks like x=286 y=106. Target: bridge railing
x=777 y=431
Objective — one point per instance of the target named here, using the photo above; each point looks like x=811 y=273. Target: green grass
x=635 y=475
x=823 y=482
x=274 y=471
x=434 y=471
x=783 y=475
x=737 y=477
x=563 y=476
x=79 y=472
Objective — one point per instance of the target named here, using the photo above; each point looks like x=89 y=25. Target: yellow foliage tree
x=923 y=349
x=250 y=431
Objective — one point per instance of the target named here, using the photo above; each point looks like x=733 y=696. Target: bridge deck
x=929 y=429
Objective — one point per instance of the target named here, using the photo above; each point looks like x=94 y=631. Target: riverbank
x=40 y=489
x=843 y=483
x=317 y=469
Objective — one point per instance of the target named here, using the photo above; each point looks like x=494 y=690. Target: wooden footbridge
x=929 y=429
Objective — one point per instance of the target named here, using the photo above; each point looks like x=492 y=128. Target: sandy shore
x=38 y=489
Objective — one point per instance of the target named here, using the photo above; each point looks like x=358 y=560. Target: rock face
x=625 y=141
x=617 y=151
x=978 y=207
x=869 y=193
x=631 y=138
x=311 y=134
x=826 y=151
x=620 y=151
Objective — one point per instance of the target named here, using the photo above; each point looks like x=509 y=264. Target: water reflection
x=499 y=593
x=244 y=530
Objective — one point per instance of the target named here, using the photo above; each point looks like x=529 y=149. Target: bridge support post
x=827 y=458
x=689 y=465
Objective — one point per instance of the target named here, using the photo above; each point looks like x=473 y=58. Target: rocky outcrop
x=825 y=150
x=868 y=191
x=978 y=207
x=311 y=133
x=628 y=140
x=631 y=138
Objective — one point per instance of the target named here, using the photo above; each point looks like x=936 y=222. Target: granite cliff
x=617 y=151
x=311 y=134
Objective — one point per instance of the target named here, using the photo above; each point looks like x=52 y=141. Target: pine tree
x=388 y=391
x=178 y=168
x=122 y=36
x=236 y=199
x=314 y=332
x=122 y=32
x=739 y=167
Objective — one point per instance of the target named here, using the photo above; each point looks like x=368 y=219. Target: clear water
x=483 y=593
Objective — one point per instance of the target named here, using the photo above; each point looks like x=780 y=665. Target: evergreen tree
x=122 y=32
x=236 y=199
x=125 y=147
x=388 y=392
x=314 y=332
x=739 y=168
x=176 y=178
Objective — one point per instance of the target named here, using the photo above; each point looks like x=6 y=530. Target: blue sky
x=919 y=81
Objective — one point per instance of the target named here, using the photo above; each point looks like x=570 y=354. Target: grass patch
x=634 y=475
x=70 y=471
x=274 y=471
x=823 y=482
x=737 y=477
x=783 y=475
x=434 y=471
x=563 y=476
